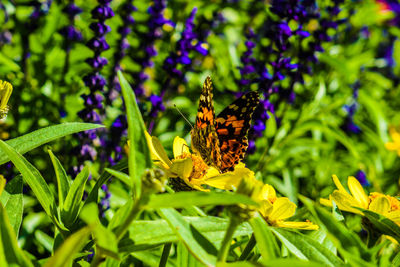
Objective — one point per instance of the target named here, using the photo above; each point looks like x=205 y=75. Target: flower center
x=199 y=166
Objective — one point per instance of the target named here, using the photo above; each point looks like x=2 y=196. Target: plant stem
x=165 y=254
x=133 y=213
x=249 y=247
x=223 y=252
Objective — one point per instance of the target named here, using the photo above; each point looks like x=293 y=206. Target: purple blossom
x=119 y=126
x=277 y=66
x=157 y=105
x=188 y=42
x=362 y=178
x=93 y=102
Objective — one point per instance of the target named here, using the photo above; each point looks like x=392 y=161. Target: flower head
x=276 y=210
x=191 y=169
x=395 y=145
x=357 y=198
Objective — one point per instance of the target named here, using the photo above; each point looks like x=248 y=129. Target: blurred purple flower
x=362 y=178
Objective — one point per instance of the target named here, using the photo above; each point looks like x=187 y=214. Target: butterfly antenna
x=183 y=116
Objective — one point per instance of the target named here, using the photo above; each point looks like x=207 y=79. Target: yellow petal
x=182 y=168
x=283 y=209
x=395 y=135
x=228 y=180
x=380 y=205
x=268 y=192
x=338 y=184
x=345 y=202
x=358 y=192
x=394 y=216
x=3 y=182
x=180 y=146
x=265 y=208
x=157 y=151
x=5 y=93
x=297 y=225
x=325 y=202
x=391 y=146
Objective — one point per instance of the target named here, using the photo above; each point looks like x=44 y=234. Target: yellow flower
x=377 y=202
x=3 y=182
x=191 y=168
x=275 y=210
x=5 y=93
x=395 y=145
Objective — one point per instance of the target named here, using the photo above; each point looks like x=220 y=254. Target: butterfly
x=222 y=141
x=5 y=93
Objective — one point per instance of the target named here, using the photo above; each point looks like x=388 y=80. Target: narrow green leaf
x=292 y=263
x=265 y=239
x=383 y=224
x=32 y=177
x=63 y=180
x=148 y=258
x=123 y=177
x=73 y=201
x=139 y=154
x=106 y=241
x=271 y=125
x=65 y=253
x=94 y=193
x=10 y=253
x=339 y=233
x=185 y=234
x=306 y=248
x=27 y=142
x=184 y=258
x=241 y=264
x=45 y=240
x=11 y=198
x=147 y=234
x=195 y=198
x=376 y=114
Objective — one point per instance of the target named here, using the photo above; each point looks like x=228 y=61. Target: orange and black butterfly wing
x=204 y=136
x=232 y=126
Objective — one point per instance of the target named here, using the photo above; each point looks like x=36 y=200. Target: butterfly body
x=222 y=141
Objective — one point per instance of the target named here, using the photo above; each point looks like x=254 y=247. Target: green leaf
x=63 y=180
x=376 y=113
x=195 y=198
x=340 y=234
x=184 y=258
x=45 y=240
x=292 y=263
x=145 y=234
x=39 y=137
x=10 y=253
x=265 y=240
x=73 y=201
x=32 y=177
x=306 y=248
x=65 y=253
x=147 y=257
x=94 y=193
x=270 y=125
x=383 y=224
x=184 y=232
x=11 y=198
x=106 y=241
x=139 y=154
x=123 y=177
